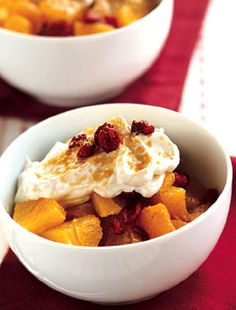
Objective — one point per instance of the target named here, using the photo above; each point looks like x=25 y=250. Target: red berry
x=86 y=150
x=91 y=17
x=77 y=140
x=116 y=225
x=56 y=29
x=107 y=138
x=135 y=214
x=142 y=127
x=111 y=20
x=181 y=179
x=210 y=196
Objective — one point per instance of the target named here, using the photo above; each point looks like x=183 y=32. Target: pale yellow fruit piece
x=104 y=206
x=155 y=220
x=84 y=231
x=39 y=215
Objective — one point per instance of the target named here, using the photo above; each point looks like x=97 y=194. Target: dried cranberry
x=111 y=20
x=210 y=196
x=143 y=127
x=116 y=225
x=181 y=179
x=91 y=17
x=86 y=150
x=56 y=29
x=135 y=214
x=107 y=138
x=77 y=140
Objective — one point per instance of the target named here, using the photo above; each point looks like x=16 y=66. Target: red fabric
x=213 y=286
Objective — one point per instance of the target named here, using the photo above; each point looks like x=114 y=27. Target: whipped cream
x=138 y=164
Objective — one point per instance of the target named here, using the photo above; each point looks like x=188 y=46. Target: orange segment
x=30 y=11
x=174 y=198
x=105 y=206
x=155 y=220
x=85 y=231
x=19 y=24
x=61 y=10
x=126 y=15
x=39 y=215
x=178 y=223
x=83 y=29
x=4 y=14
x=169 y=180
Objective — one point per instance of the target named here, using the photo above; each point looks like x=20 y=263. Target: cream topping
x=138 y=164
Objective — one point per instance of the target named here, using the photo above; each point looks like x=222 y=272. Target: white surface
x=99 y=274
x=87 y=69
x=209 y=95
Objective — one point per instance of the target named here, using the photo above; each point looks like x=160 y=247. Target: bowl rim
x=88 y=37
x=158 y=240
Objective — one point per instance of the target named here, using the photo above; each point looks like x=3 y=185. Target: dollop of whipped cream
x=139 y=164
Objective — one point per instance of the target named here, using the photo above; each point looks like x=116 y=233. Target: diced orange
x=85 y=231
x=80 y=211
x=30 y=11
x=169 y=180
x=126 y=15
x=19 y=24
x=178 y=223
x=83 y=29
x=105 y=206
x=4 y=14
x=61 y=10
x=155 y=220
x=174 y=199
x=101 y=7
x=39 y=215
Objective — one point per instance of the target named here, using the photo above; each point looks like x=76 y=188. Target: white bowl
x=127 y=273
x=83 y=70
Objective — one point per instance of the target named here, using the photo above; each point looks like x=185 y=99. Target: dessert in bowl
x=98 y=273
x=86 y=68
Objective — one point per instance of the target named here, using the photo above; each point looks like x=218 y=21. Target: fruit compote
x=112 y=184
x=71 y=17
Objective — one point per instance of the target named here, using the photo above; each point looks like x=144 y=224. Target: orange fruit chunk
x=4 y=14
x=155 y=220
x=169 y=180
x=105 y=206
x=178 y=223
x=83 y=29
x=19 y=24
x=61 y=10
x=39 y=215
x=126 y=15
x=30 y=11
x=84 y=231
x=174 y=198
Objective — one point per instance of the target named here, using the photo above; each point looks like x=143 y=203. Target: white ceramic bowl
x=125 y=273
x=83 y=70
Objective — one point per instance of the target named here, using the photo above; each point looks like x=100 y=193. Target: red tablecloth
x=213 y=286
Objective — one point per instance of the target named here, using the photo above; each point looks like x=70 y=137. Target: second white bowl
x=83 y=70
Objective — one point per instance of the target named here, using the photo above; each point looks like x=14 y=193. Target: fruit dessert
x=112 y=184
x=71 y=17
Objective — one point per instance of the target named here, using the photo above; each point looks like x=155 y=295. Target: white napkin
x=210 y=91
